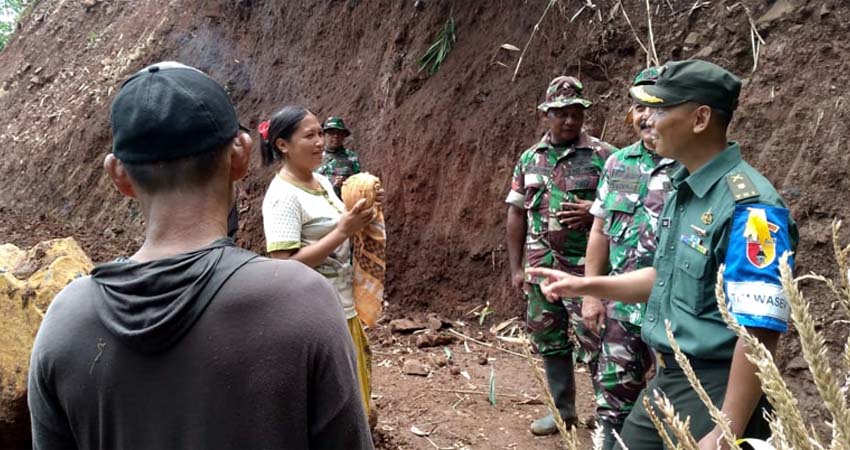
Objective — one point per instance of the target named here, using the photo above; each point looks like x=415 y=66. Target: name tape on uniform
x=757 y=298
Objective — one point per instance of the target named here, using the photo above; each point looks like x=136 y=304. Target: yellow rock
x=29 y=280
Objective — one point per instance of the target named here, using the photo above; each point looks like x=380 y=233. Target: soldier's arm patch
x=759 y=236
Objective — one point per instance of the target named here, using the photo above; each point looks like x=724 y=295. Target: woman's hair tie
x=263 y=128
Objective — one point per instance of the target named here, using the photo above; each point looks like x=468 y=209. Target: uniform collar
x=638 y=149
x=583 y=141
x=703 y=179
x=336 y=151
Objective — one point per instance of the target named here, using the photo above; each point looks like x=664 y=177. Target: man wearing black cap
x=722 y=211
x=191 y=342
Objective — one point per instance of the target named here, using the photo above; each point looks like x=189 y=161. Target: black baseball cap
x=169 y=110
x=692 y=80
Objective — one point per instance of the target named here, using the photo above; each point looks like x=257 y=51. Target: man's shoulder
x=280 y=191
x=267 y=290
x=74 y=293
x=747 y=185
x=600 y=147
x=530 y=154
x=621 y=156
x=277 y=278
x=71 y=313
x=262 y=266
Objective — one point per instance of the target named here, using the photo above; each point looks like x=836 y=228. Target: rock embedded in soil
x=438 y=360
x=434 y=323
x=405 y=326
x=414 y=367
x=433 y=340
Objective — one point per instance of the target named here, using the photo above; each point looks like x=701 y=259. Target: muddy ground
x=444 y=145
x=447 y=401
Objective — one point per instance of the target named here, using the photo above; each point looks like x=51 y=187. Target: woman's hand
x=356 y=218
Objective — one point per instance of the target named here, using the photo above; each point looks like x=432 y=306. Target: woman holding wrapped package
x=304 y=220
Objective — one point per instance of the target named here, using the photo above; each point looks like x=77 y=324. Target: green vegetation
x=10 y=11
x=437 y=52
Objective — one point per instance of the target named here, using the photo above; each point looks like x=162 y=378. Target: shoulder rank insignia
x=707 y=217
x=741 y=186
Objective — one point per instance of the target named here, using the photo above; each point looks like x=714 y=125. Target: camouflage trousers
x=621 y=367
x=554 y=327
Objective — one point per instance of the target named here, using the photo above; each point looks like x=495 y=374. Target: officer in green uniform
x=722 y=211
x=553 y=186
x=338 y=162
x=629 y=200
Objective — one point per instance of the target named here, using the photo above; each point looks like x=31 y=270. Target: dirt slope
x=444 y=145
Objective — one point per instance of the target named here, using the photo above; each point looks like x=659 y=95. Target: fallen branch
x=634 y=32
x=459 y=334
x=533 y=32
x=651 y=37
x=756 y=40
x=473 y=392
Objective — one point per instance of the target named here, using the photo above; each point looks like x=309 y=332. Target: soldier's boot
x=608 y=429
x=561 y=378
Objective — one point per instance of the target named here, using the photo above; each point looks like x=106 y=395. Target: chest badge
x=707 y=217
x=699 y=231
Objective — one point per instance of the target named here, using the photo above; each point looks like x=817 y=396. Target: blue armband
x=754 y=293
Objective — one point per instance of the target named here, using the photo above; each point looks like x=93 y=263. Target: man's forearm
x=515 y=237
x=632 y=287
x=596 y=261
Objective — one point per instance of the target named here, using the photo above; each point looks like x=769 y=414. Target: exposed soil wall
x=444 y=145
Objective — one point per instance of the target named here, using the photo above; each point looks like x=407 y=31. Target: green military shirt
x=694 y=233
x=341 y=162
x=545 y=177
x=631 y=194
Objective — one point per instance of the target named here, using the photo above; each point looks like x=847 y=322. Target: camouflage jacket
x=631 y=194
x=342 y=162
x=545 y=177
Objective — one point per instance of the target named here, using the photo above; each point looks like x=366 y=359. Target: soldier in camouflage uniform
x=554 y=184
x=631 y=194
x=338 y=162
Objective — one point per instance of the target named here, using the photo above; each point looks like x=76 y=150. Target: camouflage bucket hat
x=646 y=76
x=562 y=92
x=335 y=123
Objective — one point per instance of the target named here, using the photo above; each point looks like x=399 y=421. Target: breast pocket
x=621 y=210
x=535 y=188
x=581 y=179
x=690 y=289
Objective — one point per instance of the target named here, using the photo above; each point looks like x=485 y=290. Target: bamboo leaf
x=433 y=58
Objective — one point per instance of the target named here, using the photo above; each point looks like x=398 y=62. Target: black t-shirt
x=268 y=364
